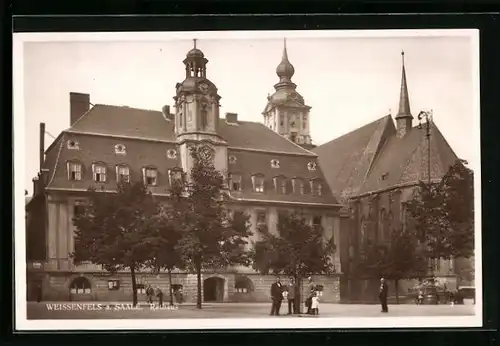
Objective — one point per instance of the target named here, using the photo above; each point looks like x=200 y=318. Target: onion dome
x=285 y=69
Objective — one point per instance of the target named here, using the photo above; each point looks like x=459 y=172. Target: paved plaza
x=123 y=310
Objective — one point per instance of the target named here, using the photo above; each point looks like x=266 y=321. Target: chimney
x=42 y=145
x=166 y=113
x=232 y=118
x=79 y=105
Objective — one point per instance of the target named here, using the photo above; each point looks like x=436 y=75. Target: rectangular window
x=282 y=119
x=74 y=171
x=150 y=176
x=175 y=175
x=258 y=184
x=304 y=121
x=113 y=285
x=78 y=208
x=261 y=217
x=316 y=188
x=235 y=182
x=123 y=174
x=141 y=289
x=316 y=220
x=99 y=173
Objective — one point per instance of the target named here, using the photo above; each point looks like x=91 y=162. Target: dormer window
x=280 y=185
x=235 y=182
x=298 y=186
x=275 y=163
x=150 y=176
x=316 y=187
x=175 y=175
x=74 y=171
x=122 y=174
x=120 y=149
x=172 y=154
x=73 y=145
x=99 y=171
x=258 y=183
x=311 y=166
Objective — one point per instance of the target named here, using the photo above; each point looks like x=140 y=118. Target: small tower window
x=275 y=163
x=304 y=121
x=122 y=174
x=120 y=149
x=282 y=120
x=150 y=176
x=311 y=166
x=172 y=154
x=73 y=145
x=258 y=183
x=74 y=171
x=99 y=172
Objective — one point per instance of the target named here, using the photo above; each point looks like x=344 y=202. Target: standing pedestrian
x=39 y=292
x=159 y=294
x=292 y=292
x=383 y=295
x=312 y=292
x=276 y=296
x=315 y=304
x=150 y=293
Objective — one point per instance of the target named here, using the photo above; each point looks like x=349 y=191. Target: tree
x=297 y=250
x=443 y=214
x=163 y=238
x=212 y=238
x=398 y=259
x=111 y=229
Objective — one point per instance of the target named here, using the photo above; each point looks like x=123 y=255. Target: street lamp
x=428 y=119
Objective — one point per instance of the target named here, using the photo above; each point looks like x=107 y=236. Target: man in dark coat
x=292 y=290
x=383 y=295
x=312 y=292
x=159 y=294
x=276 y=296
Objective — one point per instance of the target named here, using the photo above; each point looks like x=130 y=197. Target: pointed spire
x=404 y=99
x=194 y=42
x=285 y=54
x=285 y=69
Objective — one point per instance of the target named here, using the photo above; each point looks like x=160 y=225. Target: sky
x=348 y=81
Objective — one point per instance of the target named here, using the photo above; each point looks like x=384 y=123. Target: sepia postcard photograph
x=247 y=180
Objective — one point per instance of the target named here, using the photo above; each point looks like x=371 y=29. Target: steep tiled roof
x=147 y=135
x=346 y=160
x=353 y=168
x=152 y=125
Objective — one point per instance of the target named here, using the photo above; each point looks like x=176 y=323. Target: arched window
x=243 y=284
x=80 y=285
x=390 y=225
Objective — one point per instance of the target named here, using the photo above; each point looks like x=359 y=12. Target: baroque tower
x=197 y=114
x=286 y=112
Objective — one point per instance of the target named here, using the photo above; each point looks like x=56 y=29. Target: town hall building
x=269 y=166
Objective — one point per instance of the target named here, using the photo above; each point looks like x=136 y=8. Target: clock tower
x=197 y=114
x=285 y=112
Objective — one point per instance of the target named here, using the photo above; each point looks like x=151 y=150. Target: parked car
x=465 y=294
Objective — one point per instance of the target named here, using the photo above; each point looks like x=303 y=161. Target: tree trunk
x=198 y=279
x=298 y=295
x=134 y=286
x=396 y=285
x=170 y=287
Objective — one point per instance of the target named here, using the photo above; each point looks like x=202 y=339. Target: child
x=315 y=304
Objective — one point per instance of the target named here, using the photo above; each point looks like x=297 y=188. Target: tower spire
x=285 y=69
x=404 y=117
x=404 y=99
x=194 y=42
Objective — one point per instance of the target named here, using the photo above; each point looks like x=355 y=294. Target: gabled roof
x=372 y=158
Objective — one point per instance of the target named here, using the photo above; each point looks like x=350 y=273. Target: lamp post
x=427 y=127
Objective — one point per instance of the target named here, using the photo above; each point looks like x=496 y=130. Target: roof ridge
x=286 y=139
x=355 y=130
x=380 y=144
x=127 y=107
x=57 y=159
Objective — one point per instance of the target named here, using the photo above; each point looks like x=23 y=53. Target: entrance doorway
x=213 y=289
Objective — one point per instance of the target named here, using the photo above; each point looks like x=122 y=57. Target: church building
x=269 y=166
x=373 y=170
